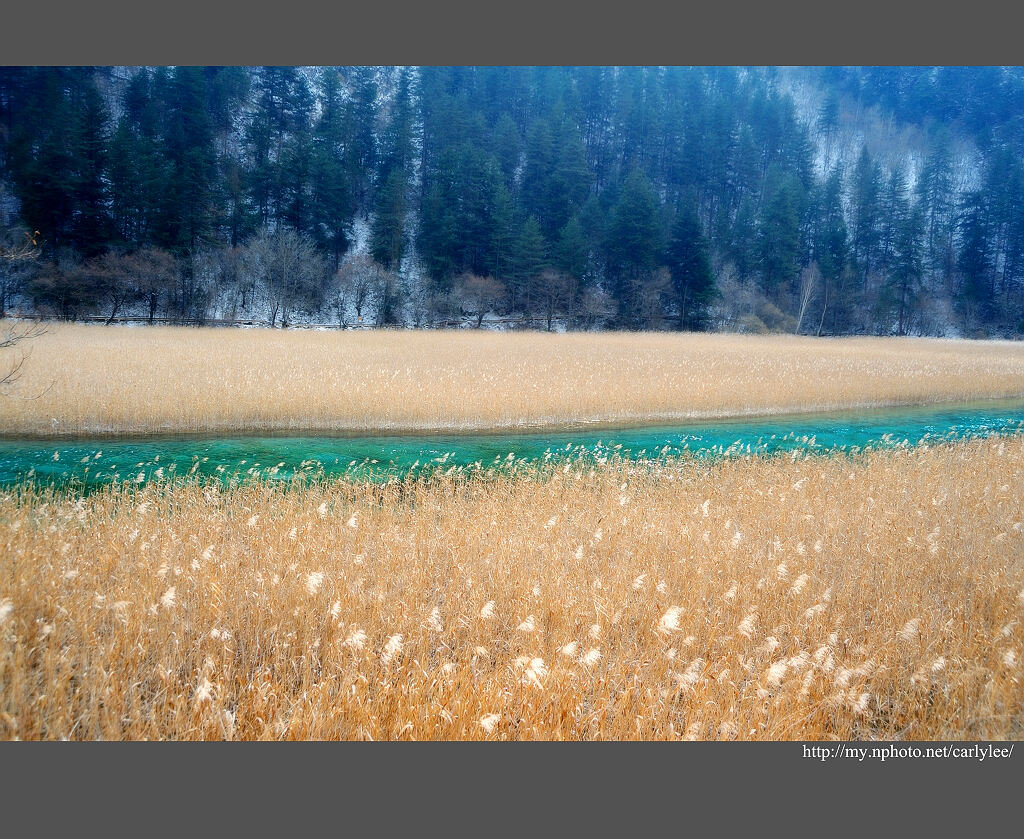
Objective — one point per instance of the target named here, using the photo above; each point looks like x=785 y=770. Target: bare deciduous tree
x=650 y=291
x=153 y=273
x=596 y=307
x=480 y=295
x=19 y=250
x=810 y=279
x=357 y=276
x=110 y=277
x=556 y=292
x=123 y=278
x=290 y=268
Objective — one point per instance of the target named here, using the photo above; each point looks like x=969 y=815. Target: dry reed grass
x=880 y=596
x=117 y=379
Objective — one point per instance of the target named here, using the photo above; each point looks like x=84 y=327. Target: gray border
x=552 y=32
x=520 y=789
x=626 y=788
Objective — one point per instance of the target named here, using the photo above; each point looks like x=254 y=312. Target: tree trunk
x=824 y=309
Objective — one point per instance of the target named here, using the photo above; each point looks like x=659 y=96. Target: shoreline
x=490 y=428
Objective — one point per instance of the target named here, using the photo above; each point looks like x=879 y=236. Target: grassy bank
x=879 y=596
x=82 y=379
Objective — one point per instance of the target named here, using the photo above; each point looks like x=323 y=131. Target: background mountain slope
x=827 y=201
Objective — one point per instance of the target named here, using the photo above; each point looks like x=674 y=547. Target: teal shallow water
x=93 y=461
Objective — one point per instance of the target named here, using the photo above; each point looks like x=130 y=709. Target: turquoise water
x=91 y=461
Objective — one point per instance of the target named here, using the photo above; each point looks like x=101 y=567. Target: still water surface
x=92 y=461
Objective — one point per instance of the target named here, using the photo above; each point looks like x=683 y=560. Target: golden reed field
x=82 y=378
x=876 y=596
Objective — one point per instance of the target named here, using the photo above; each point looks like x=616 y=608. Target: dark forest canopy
x=633 y=198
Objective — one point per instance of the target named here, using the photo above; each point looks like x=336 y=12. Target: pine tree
x=397 y=148
x=503 y=234
x=228 y=92
x=137 y=169
x=387 y=234
x=831 y=252
x=361 y=143
x=895 y=209
x=905 y=275
x=537 y=168
x=633 y=243
x=779 y=233
x=828 y=124
x=282 y=109
x=332 y=205
x=188 y=205
x=507 y=148
x=865 y=201
x=742 y=246
x=89 y=136
x=529 y=259
x=692 y=278
x=297 y=181
x=569 y=180
x=935 y=196
x=975 y=262
x=573 y=251
x=49 y=151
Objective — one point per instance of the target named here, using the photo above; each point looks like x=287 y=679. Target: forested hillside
x=821 y=201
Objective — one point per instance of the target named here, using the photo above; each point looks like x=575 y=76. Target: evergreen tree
x=228 y=93
x=904 y=281
x=282 y=108
x=828 y=124
x=742 y=246
x=297 y=185
x=935 y=197
x=692 y=278
x=503 y=233
x=633 y=243
x=779 y=233
x=528 y=261
x=895 y=209
x=537 y=168
x=332 y=205
x=975 y=263
x=55 y=153
x=137 y=169
x=188 y=205
x=507 y=148
x=569 y=181
x=865 y=201
x=361 y=145
x=437 y=236
x=831 y=251
x=397 y=141
x=573 y=251
x=387 y=235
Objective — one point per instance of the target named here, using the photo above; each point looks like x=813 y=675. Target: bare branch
x=22 y=251
x=14 y=334
x=17 y=332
